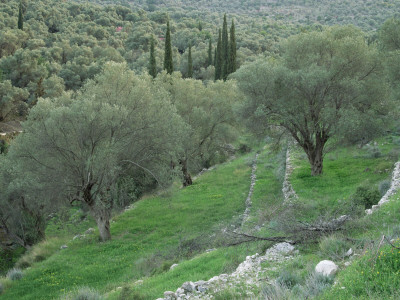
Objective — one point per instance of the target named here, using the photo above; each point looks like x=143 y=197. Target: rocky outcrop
x=394 y=187
x=289 y=193
x=249 y=273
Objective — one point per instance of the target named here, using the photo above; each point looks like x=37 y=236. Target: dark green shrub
x=366 y=196
x=243 y=148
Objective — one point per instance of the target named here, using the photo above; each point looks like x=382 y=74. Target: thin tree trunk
x=103 y=224
x=102 y=215
x=187 y=179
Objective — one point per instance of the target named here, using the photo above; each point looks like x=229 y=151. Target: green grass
x=344 y=170
x=178 y=225
x=375 y=275
x=170 y=227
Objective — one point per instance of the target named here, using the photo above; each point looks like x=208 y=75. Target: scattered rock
x=189 y=287
x=64 y=247
x=347 y=263
x=89 y=231
x=349 y=252
x=79 y=236
x=173 y=266
x=138 y=282
x=326 y=268
x=169 y=295
x=249 y=273
x=210 y=250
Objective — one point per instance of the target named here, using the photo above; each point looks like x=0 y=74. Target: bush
x=15 y=274
x=334 y=247
x=85 y=293
x=315 y=284
x=384 y=186
x=366 y=196
x=276 y=291
x=1 y=288
x=373 y=151
x=128 y=294
x=288 y=279
x=243 y=148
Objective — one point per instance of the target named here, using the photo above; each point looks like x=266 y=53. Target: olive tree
x=78 y=148
x=207 y=111
x=324 y=84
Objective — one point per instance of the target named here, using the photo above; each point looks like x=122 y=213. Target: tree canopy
x=325 y=84
x=76 y=149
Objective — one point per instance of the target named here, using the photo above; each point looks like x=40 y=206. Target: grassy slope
x=176 y=226
x=344 y=170
x=154 y=229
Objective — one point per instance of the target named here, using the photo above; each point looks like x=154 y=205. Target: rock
x=281 y=248
x=189 y=286
x=215 y=278
x=173 y=266
x=347 y=263
x=78 y=236
x=64 y=247
x=202 y=288
x=89 y=231
x=168 y=295
x=349 y=252
x=210 y=250
x=326 y=268
x=138 y=282
x=180 y=291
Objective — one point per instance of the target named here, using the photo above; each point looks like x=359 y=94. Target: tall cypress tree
x=209 y=60
x=168 y=64
x=225 y=50
x=20 y=17
x=190 y=63
x=215 y=57
x=152 y=61
x=218 y=58
x=232 y=50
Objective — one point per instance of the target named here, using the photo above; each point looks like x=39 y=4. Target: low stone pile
x=249 y=273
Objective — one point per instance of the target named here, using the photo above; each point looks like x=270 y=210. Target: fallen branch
x=252 y=238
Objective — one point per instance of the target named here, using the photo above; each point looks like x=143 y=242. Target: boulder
x=189 y=286
x=64 y=247
x=326 y=268
x=168 y=295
